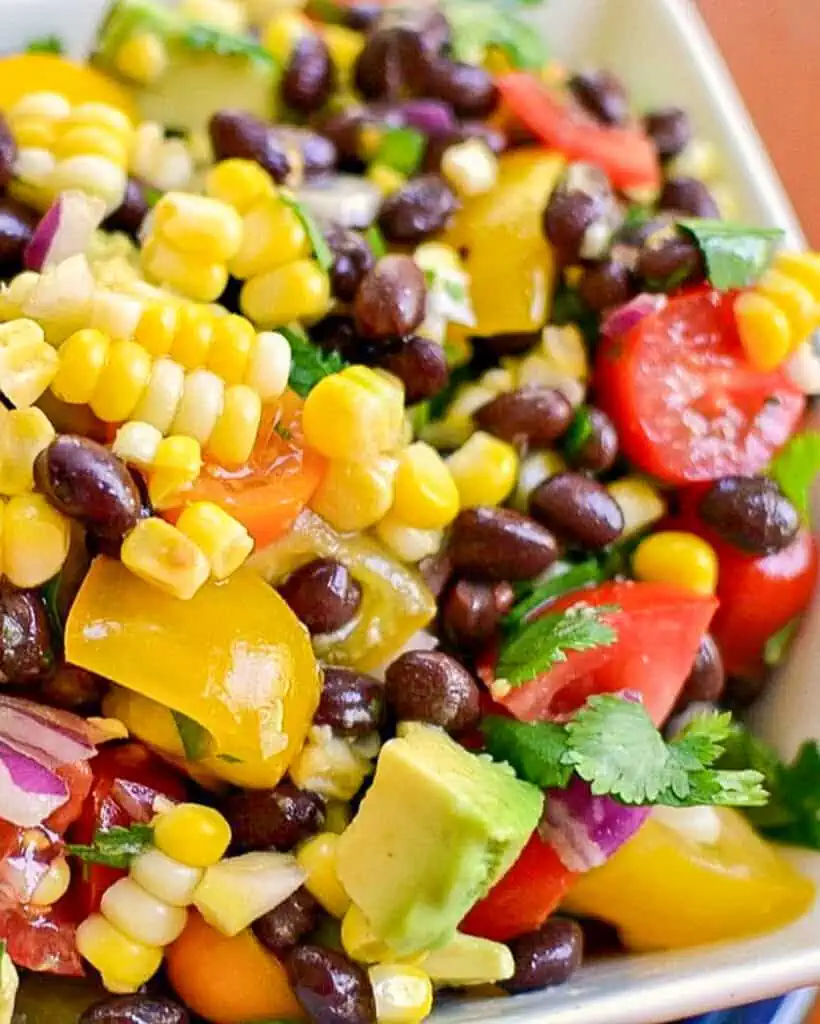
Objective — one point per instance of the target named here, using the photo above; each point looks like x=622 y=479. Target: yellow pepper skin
x=665 y=889
x=510 y=264
x=234 y=659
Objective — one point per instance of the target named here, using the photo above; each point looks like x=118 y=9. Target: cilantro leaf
x=197 y=36
x=544 y=642
x=735 y=254
x=573 y=578
x=115 y=847
x=477 y=25
x=402 y=149
x=536 y=750
x=46 y=44
x=195 y=739
x=318 y=242
x=580 y=431
x=309 y=363
x=796 y=467
x=777 y=646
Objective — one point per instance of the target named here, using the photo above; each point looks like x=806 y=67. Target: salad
x=404 y=478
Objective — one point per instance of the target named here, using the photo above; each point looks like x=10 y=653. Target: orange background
x=773 y=50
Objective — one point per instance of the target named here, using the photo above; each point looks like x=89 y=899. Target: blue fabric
x=770 y=1011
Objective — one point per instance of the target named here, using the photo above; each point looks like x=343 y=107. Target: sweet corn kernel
x=640 y=502
x=176 y=465
x=198 y=226
x=51 y=105
x=96 y=175
x=125 y=965
x=122 y=382
x=24 y=433
x=228 y=15
x=317 y=858
x=141 y=916
x=234 y=435
x=35 y=133
x=282 y=33
x=426 y=495
x=159 y=402
x=143 y=58
x=764 y=329
x=354 y=495
x=159 y=554
x=35 y=539
x=565 y=351
x=28 y=364
x=407 y=543
x=165 y=878
x=83 y=357
x=193 y=834
x=240 y=183
x=193 y=338
x=352 y=414
x=386 y=179
x=698 y=160
x=359 y=940
x=233 y=341
x=403 y=993
x=272 y=236
x=101 y=115
x=115 y=314
x=344 y=45
x=484 y=469
x=269 y=365
x=54 y=883
x=198 y=279
x=157 y=328
x=200 y=407
x=793 y=298
x=534 y=470
x=673 y=556
x=224 y=541
x=471 y=167
x=136 y=443
x=93 y=141
x=803 y=267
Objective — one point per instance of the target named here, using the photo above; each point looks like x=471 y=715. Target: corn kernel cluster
x=783 y=309
x=60 y=146
x=282 y=283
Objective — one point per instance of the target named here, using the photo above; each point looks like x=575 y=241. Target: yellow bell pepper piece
x=670 y=887
x=234 y=659
x=23 y=73
x=510 y=264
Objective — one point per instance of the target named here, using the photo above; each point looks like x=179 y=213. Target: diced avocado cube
x=438 y=827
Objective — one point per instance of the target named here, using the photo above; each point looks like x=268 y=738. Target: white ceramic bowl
x=662 y=51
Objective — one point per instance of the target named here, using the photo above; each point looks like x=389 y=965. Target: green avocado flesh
x=438 y=827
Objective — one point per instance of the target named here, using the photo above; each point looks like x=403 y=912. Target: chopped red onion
x=59 y=734
x=584 y=829
x=65 y=230
x=29 y=791
x=624 y=318
x=431 y=117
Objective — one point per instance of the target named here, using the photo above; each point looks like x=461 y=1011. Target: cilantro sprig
x=115 y=847
x=735 y=254
x=309 y=363
x=796 y=467
x=478 y=25
x=574 y=577
x=318 y=242
x=195 y=739
x=613 y=745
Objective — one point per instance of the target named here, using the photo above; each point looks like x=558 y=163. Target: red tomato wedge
x=627 y=155
x=524 y=898
x=272 y=488
x=686 y=403
x=658 y=626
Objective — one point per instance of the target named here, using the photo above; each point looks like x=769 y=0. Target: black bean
x=17 y=225
x=263 y=819
x=578 y=510
x=428 y=22
x=307 y=81
x=25 y=637
x=352 y=259
x=602 y=95
x=751 y=512
x=331 y=988
x=670 y=130
x=669 y=261
x=391 y=300
x=429 y=686
x=419 y=209
x=534 y=415
x=470 y=614
x=549 y=956
x=83 y=480
x=567 y=217
x=391 y=64
x=420 y=364
x=436 y=571
x=509 y=344
x=131 y=212
x=351 y=703
x=468 y=88
x=605 y=285
x=343 y=129
x=283 y=927
x=8 y=152
x=318 y=152
x=240 y=134
x=688 y=195
x=73 y=688
x=499 y=544
x=337 y=332
x=707 y=679
x=135 y=1009
x=323 y=595
x=597 y=450
x=361 y=15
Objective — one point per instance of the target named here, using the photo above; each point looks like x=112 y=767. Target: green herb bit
x=402 y=149
x=196 y=741
x=796 y=468
x=580 y=431
x=115 y=847
x=309 y=363
x=316 y=237
x=582 y=575
x=375 y=239
x=735 y=254
x=283 y=432
x=777 y=646
x=197 y=36
x=478 y=25
x=46 y=44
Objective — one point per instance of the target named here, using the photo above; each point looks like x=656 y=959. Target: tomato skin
x=687 y=404
x=524 y=898
x=659 y=628
x=626 y=154
x=128 y=762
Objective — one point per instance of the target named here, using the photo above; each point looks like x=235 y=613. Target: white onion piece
x=65 y=230
x=343 y=199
